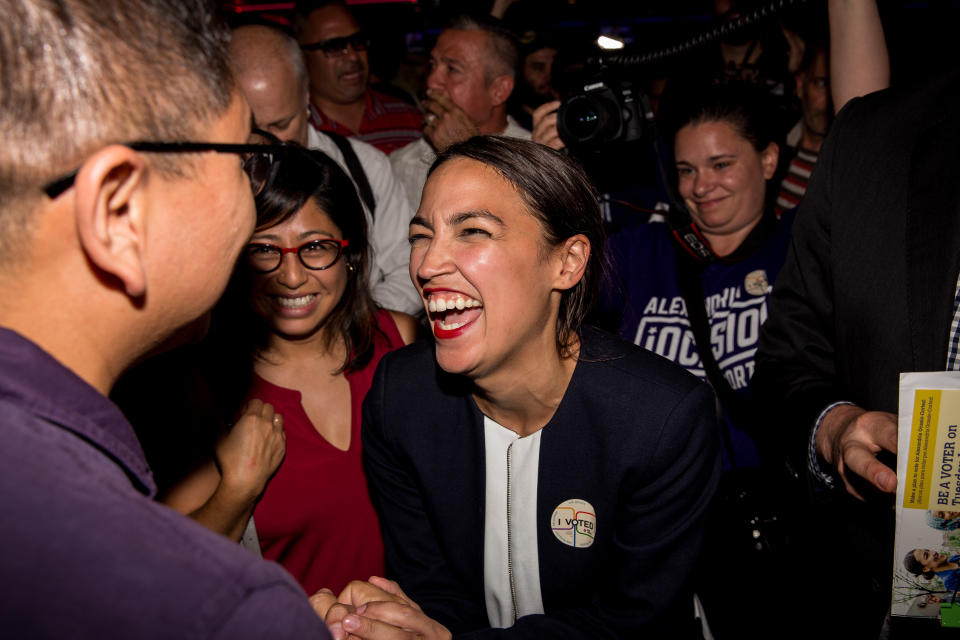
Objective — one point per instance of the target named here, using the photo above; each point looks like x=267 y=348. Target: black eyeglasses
x=337 y=47
x=258 y=160
x=316 y=255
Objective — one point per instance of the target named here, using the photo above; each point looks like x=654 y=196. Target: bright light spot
x=606 y=42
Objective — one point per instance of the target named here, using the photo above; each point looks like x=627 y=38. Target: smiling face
x=930 y=560
x=487 y=276
x=722 y=179
x=294 y=301
x=340 y=79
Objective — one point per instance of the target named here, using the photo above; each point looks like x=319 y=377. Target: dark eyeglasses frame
x=337 y=47
x=268 y=152
x=341 y=245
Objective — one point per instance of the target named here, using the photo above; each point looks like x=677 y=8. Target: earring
x=349 y=267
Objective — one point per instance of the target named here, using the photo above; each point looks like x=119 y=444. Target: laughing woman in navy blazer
x=533 y=479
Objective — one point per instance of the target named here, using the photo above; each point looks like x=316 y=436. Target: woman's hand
x=251 y=452
x=377 y=610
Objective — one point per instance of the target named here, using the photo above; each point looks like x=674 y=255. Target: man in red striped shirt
x=335 y=52
x=813 y=89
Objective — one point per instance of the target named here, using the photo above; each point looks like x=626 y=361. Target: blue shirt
x=951 y=581
x=87 y=553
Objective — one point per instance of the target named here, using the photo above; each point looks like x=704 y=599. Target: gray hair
x=76 y=75
x=504 y=52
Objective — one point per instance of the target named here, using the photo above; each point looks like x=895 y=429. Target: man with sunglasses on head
x=125 y=199
x=335 y=51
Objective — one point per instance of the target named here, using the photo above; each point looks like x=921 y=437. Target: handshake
x=375 y=610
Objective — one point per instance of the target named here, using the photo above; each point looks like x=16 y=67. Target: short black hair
x=303 y=8
x=914 y=566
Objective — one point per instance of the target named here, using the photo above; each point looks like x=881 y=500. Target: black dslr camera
x=605 y=113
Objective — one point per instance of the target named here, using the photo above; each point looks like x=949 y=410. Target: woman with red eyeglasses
x=300 y=304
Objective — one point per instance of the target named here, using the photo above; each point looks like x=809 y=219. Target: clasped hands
x=375 y=610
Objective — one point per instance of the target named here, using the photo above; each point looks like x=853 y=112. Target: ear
x=574 y=255
x=500 y=89
x=769 y=158
x=110 y=206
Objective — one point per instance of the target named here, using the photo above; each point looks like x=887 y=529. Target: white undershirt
x=524 y=463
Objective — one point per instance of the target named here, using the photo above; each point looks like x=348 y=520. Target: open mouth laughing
x=451 y=312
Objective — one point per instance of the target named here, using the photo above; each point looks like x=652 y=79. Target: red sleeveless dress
x=315 y=517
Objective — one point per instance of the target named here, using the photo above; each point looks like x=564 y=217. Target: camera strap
x=691 y=287
x=687 y=234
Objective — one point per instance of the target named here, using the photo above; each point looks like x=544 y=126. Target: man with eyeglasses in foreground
x=335 y=51
x=115 y=232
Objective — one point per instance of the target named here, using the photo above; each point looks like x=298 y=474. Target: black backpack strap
x=690 y=273
x=356 y=170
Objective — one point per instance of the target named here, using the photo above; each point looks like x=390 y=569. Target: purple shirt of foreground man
x=106 y=561
x=116 y=239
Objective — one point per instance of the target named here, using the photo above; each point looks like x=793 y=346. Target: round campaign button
x=756 y=283
x=574 y=523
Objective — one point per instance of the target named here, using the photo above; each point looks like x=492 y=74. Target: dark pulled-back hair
x=911 y=564
x=745 y=107
x=559 y=195
x=302 y=175
x=77 y=75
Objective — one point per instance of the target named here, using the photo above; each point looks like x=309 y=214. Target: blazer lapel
x=459 y=450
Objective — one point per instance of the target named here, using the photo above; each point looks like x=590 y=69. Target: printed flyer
x=926 y=569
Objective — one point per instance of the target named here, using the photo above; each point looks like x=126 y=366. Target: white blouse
x=511 y=570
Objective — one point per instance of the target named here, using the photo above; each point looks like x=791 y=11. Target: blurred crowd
x=399 y=379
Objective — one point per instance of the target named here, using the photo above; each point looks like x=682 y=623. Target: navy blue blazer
x=635 y=436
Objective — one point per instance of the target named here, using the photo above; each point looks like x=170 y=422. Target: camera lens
x=581 y=117
x=590 y=119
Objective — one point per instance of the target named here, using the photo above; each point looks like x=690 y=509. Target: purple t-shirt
x=86 y=552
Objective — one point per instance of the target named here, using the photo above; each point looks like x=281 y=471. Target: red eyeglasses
x=316 y=255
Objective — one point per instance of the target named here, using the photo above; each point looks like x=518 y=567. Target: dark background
x=921 y=35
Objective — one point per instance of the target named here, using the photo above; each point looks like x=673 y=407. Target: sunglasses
x=337 y=47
